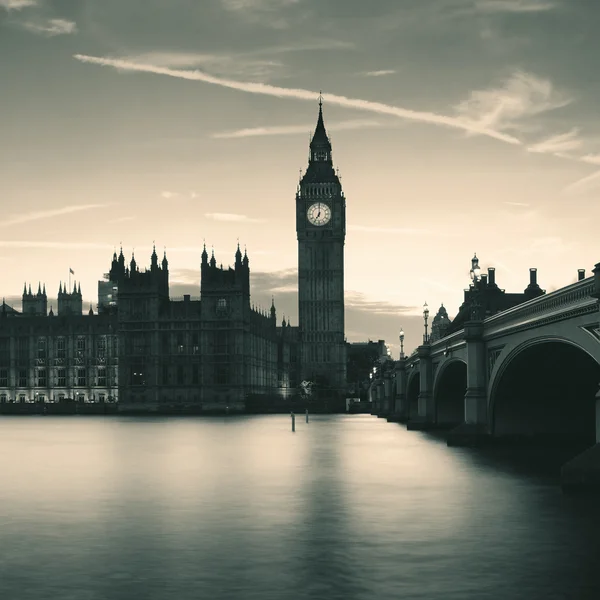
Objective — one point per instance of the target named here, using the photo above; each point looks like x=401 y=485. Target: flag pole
x=69 y=280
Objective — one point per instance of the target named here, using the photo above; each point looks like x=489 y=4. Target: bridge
x=531 y=371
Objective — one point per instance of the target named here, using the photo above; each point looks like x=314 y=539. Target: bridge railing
x=578 y=293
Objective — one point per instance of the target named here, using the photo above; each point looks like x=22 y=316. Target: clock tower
x=321 y=229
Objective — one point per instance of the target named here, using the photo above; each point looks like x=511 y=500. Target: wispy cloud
x=52 y=27
x=379 y=73
x=38 y=215
x=121 y=219
x=264 y=12
x=224 y=65
x=397 y=230
x=231 y=218
x=359 y=301
x=41 y=245
x=293 y=129
x=480 y=127
x=562 y=142
x=583 y=183
x=503 y=108
x=514 y=6
x=517 y=203
x=168 y=195
x=17 y=4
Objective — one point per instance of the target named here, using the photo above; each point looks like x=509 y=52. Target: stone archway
x=449 y=393
x=413 y=388
x=546 y=390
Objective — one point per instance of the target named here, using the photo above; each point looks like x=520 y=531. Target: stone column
x=400 y=406
x=426 y=417
x=475 y=428
x=373 y=397
x=386 y=391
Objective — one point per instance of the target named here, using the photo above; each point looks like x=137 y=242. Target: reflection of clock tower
x=321 y=229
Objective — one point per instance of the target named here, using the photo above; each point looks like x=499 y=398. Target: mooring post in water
x=293 y=421
x=307 y=415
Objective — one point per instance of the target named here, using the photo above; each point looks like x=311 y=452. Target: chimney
x=186 y=297
x=484 y=281
x=580 y=274
x=533 y=276
x=492 y=275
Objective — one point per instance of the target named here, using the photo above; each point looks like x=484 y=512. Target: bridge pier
x=425 y=420
x=475 y=429
x=400 y=402
x=583 y=472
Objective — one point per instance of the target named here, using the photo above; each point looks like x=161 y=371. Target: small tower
x=69 y=303
x=273 y=311
x=440 y=324
x=35 y=304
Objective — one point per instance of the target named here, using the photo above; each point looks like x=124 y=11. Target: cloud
x=264 y=12
x=517 y=203
x=562 y=142
x=121 y=220
x=39 y=215
x=17 y=4
x=583 y=183
x=514 y=6
x=395 y=230
x=231 y=218
x=460 y=122
x=292 y=129
x=593 y=159
x=52 y=27
x=169 y=195
x=503 y=108
x=358 y=301
x=25 y=244
x=379 y=73
x=226 y=65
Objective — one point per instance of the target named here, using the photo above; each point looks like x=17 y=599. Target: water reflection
x=347 y=507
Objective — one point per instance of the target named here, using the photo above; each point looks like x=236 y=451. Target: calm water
x=348 y=507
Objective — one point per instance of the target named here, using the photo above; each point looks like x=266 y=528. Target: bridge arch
x=449 y=389
x=413 y=388
x=545 y=388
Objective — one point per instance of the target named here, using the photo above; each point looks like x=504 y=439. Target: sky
x=458 y=126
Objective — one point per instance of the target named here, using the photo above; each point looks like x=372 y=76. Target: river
x=347 y=507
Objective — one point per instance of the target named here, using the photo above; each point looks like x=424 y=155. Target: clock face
x=318 y=214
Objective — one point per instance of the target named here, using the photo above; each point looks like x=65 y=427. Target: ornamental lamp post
x=401 y=343
x=425 y=317
x=475 y=272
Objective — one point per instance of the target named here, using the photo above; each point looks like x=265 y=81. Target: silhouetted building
x=362 y=357
x=321 y=230
x=484 y=298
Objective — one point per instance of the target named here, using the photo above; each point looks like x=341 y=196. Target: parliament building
x=143 y=351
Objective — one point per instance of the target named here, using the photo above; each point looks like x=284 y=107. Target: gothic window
x=22 y=377
x=4 y=351
x=101 y=398
x=81 y=377
x=101 y=346
x=62 y=377
x=195 y=373
x=102 y=376
x=165 y=374
x=3 y=398
x=41 y=348
x=80 y=347
x=195 y=344
x=42 y=378
x=61 y=347
x=23 y=349
x=180 y=375
x=180 y=345
x=3 y=377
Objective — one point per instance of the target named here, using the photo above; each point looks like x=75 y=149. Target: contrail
x=300 y=94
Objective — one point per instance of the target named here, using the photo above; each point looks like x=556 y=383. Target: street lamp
x=401 y=343
x=475 y=271
x=425 y=316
